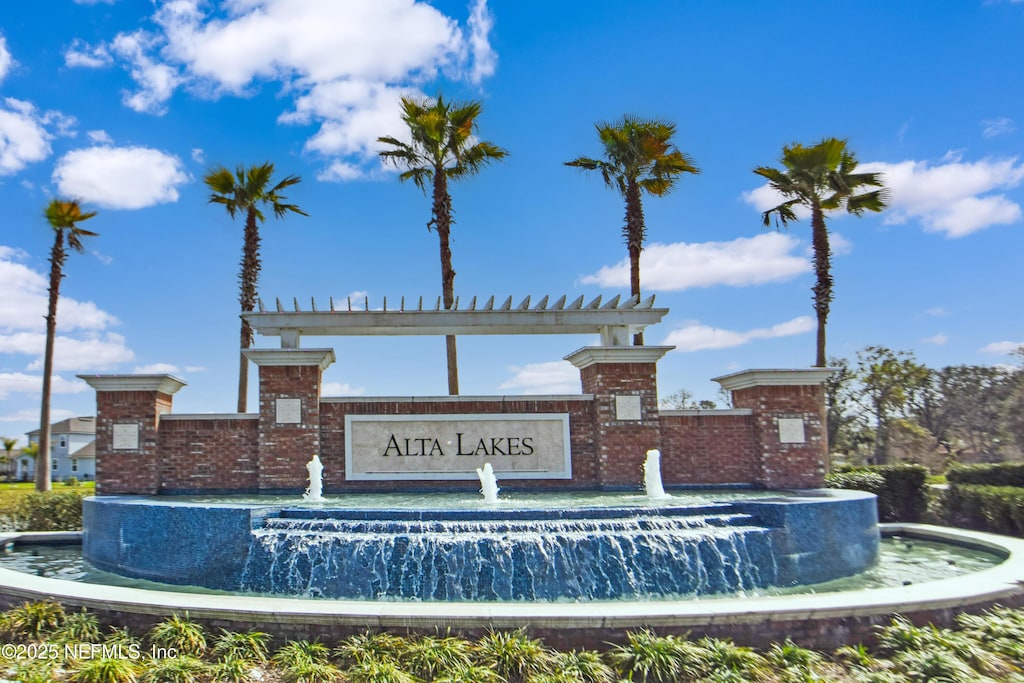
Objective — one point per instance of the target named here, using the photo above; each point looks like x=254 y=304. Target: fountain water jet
x=652 y=476
x=488 y=483
x=314 y=494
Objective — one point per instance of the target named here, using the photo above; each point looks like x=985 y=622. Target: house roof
x=86 y=451
x=72 y=425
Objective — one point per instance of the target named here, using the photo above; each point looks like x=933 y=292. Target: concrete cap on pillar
x=774 y=378
x=164 y=384
x=290 y=357
x=589 y=355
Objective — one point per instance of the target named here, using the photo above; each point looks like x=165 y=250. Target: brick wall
x=199 y=452
x=284 y=449
x=701 y=447
x=788 y=465
x=135 y=471
x=622 y=445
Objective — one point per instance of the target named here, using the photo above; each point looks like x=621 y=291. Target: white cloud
x=30 y=414
x=6 y=60
x=552 y=377
x=937 y=312
x=91 y=352
x=741 y=262
x=339 y=170
x=198 y=155
x=89 y=57
x=955 y=197
x=1004 y=347
x=990 y=128
x=697 y=337
x=100 y=137
x=937 y=340
x=157 y=369
x=340 y=389
x=485 y=59
x=23 y=137
x=83 y=339
x=32 y=385
x=26 y=294
x=120 y=177
x=344 y=64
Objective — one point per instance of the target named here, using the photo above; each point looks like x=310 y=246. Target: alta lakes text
x=432 y=446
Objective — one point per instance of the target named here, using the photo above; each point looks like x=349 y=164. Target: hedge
x=997 y=474
x=901 y=489
x=999 y=509
x=50 y=511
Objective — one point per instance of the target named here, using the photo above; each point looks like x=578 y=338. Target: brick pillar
x=128 y=410
x=624 y=383
x=289 y=422
x=789 y=423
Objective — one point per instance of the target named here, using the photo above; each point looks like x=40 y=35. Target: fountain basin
x=485 y=554
x=823 y=621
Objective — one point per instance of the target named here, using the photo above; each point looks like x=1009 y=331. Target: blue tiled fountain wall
x=568 y=554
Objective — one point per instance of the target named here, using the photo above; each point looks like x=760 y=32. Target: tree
x=890 y=380
x=683 y=400
x=821 y=178
x=245 y=191
x=9 y=445
x=64 y=217
x=30 y=451
x=443 y=147
x=639 y=156
x=845 y=422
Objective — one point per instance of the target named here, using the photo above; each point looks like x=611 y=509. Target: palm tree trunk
x=823 y=281
x=57 y=257
x=248 y=277
x=442 y=210
x=634 y=243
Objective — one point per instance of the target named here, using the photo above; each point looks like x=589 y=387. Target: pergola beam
x=615 y=321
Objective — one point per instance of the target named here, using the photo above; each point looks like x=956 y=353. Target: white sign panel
x=627 y=408
x=432 y=447
x=289 y=411
x=126 y=437
x=791 y=430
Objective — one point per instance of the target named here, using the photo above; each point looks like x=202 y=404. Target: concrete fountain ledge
x=823 y=621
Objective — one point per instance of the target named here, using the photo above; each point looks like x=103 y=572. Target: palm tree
x=443 y=148
x=821 y=178
x=64 y=217
x=9 y=445
x=245 y=191
x=639 y=156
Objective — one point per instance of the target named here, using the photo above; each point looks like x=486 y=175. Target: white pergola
x=615 y=320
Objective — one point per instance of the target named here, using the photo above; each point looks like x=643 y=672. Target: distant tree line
x=887 y=407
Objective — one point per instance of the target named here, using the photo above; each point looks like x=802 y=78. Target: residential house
x=72 y=451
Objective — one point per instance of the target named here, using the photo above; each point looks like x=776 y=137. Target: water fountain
x=652 y=476
x=314 y=494
x=488 y=483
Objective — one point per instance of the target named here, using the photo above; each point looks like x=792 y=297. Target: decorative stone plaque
x=431 y=447
x=627 y=408
x=791 y=430
x=126 y=437
x=289 y=411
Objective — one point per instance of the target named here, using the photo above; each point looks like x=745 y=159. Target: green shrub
x=997 y=474
x=994 y=508
x=902 y=492
x=71 y=481
x=50 y=511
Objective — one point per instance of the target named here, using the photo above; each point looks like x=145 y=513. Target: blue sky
x=126 y=105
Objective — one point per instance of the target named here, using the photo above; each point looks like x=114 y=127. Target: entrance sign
x=437 y=447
